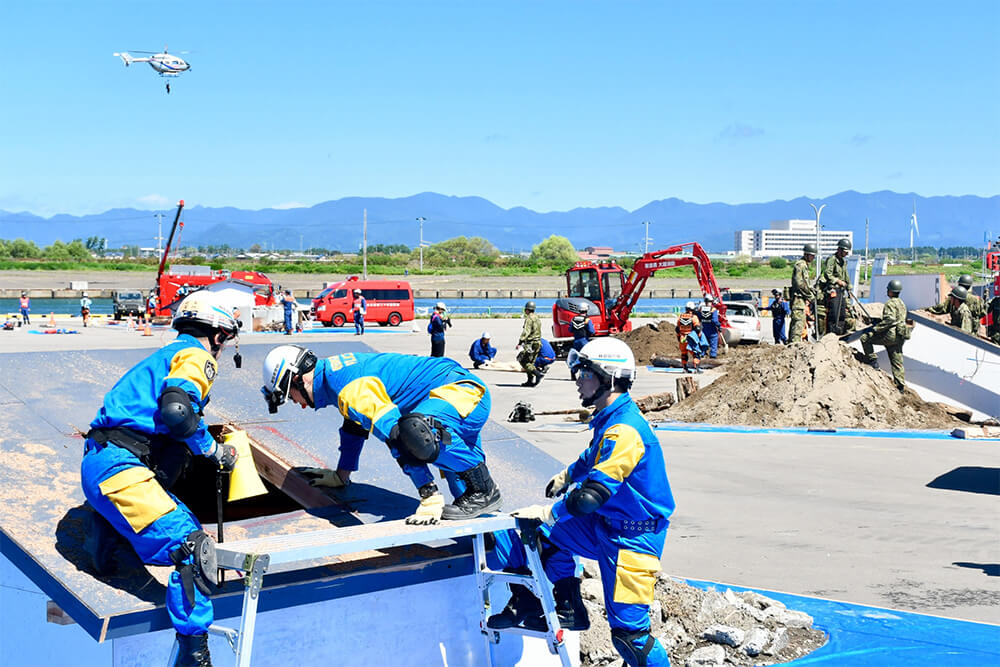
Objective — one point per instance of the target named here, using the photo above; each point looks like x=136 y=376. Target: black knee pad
x=622 y=641
x=419 y=437
x=203 y=570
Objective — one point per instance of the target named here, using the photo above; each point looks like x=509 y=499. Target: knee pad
x=625 y=642
x=204 y=567
x=419 y=437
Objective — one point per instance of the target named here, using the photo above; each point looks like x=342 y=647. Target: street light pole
x=819 y=248
x=421 y=221
x=646 y=238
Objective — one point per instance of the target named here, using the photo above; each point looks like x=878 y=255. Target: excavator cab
x=591 y=289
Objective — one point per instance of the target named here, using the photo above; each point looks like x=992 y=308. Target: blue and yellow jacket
x=625 y=456
x=133 y=401
x=374 y=390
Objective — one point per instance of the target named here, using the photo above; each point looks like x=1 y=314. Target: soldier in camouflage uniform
x=833 y=283
x=801 y=293
x=529 y=343
x=891 y=331
x=961 y=316
x=976 y=307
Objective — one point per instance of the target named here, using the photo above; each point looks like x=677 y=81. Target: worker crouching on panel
x=428 y=410
x=617 y=514
x=139 y=444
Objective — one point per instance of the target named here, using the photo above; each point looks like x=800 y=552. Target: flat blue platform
x=863 y=636
x=849 y=432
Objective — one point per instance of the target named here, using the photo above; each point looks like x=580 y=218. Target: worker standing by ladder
x=617 y=514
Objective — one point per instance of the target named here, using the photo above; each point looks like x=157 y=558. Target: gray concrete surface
x=847 y=518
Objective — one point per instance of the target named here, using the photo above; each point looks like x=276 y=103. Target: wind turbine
x=913 y=228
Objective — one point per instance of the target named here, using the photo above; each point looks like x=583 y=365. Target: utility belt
x=167 y=462
x=630 y=526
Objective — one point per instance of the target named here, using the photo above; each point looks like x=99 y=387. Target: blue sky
x=548 y=105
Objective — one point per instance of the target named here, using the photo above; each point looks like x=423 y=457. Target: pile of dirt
x=704 y=627
x=657 y=339
x=824 y=384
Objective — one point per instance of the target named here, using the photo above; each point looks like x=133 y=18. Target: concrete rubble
x=703 y=628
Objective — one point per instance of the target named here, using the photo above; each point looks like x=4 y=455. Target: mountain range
x=337 y=224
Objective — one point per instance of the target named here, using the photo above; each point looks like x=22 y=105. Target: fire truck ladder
x=281 y=553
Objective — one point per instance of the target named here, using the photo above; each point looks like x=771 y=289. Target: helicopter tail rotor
x=126 y=58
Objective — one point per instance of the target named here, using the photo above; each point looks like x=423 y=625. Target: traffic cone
x=52 y=320
x=130 y=325
x=147 y=330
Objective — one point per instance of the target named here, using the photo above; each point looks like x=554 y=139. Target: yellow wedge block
x=244 y=482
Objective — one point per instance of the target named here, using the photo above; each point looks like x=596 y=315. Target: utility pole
x=421 y=221
x=159 y=233
x=646 y=238
x=300 y=244
x=364 y=246
x=819 y=247
x=866 y=251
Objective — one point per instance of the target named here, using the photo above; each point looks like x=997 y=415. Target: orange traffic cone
x=52 y=320
x=130 y=324
x=147 y=330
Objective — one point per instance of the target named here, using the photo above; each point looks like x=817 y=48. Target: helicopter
x=165 y=64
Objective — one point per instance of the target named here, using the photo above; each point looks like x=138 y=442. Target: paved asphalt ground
x=840 y=517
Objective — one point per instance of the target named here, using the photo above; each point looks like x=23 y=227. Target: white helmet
x=610 y=358
x=486 y=335
x=207 y=309
x=689 y=305
x=357 y=291
x=280 y=365
x=440 y=306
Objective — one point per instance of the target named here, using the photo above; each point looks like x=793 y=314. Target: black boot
x=481 y=495
x=538 y=377
x=193 y=651
x=522 y=610
x=569 y=604
x=530 y=382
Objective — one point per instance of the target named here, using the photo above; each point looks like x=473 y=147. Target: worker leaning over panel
x=977 y=310
x=891 y=331
x=428 y=410
x=139 y=444
x=802 y=293
x=617 y=514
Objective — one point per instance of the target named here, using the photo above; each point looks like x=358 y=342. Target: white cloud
x=288 y=205
x=154 y=201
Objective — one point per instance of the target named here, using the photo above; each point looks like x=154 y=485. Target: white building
x=785 y=238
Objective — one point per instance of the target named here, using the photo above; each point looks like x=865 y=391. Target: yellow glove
x=323 y=477
x=541 y=513
x=557 y=485
x=429 y=511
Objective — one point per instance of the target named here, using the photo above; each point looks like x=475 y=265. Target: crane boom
x=166 y=251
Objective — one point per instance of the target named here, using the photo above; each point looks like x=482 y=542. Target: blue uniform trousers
x=130 y=508
x=465 y=450
x=713 y=342
x=778 y=330
x=359 y=323
x=628 y=562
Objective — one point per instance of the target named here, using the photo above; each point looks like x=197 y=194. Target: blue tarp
x=862 y=636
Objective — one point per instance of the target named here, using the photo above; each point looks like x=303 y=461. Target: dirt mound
x=817 y=385
x=657 y=339
x=704 y=627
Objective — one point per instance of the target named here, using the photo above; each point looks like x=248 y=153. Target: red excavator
x=175 y=283
x=601 y=290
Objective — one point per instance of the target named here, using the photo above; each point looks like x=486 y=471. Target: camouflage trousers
x=798 y=323
x=526 y=357
x=894 y=350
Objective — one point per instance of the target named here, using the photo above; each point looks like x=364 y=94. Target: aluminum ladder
x=282 y=553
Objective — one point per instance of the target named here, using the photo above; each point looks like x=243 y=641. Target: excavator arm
x=684 y=254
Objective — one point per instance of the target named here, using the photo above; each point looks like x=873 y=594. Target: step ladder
x=283 y=553
x=537 y=582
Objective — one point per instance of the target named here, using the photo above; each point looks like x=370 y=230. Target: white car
x=744 y=318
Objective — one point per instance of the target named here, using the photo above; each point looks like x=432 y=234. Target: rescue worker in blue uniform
x=583 y=330
x=617 y=514
x=546 y=355
x=710 y=326
x=150 y=425
x=289 y=304
x=779 y=311
x=428 y=410
x=481 y=352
